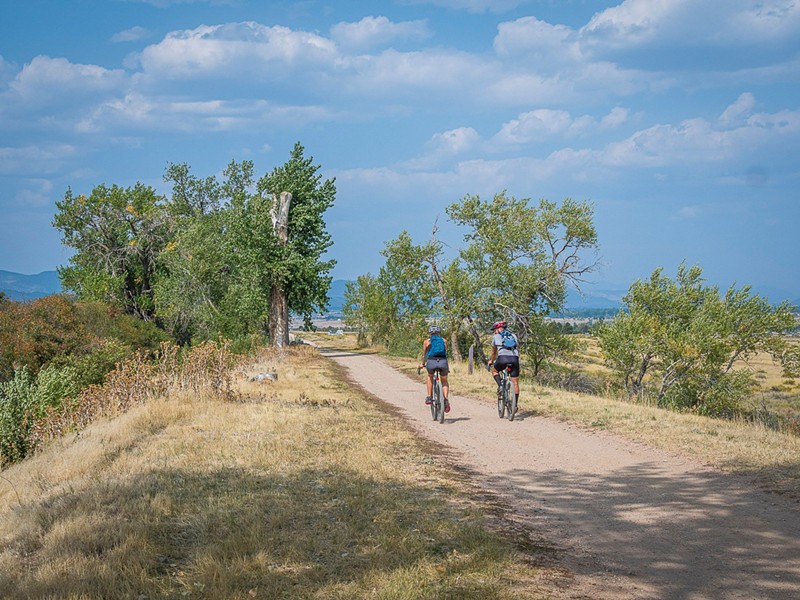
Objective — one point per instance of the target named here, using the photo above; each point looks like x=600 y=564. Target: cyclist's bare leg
x=430 y=385
x=445 y=387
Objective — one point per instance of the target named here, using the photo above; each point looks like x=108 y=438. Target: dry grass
x=303 y=489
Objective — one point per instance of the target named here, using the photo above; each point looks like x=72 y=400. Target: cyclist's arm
x=494 y=354
x=425 y=345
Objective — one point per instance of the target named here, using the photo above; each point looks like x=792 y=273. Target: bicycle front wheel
x=501 y=402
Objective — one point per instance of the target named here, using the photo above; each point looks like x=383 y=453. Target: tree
x=393 y=306
x=117 y=234
x=684 y=339
x=516 y=265
x=519 y=260
x=299 y=269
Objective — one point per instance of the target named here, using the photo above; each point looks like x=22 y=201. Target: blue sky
x=678 y=119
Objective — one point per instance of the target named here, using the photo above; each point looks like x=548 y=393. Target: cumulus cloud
x=371 y=32
x=738 y=110
x=248 y=51
x=52 y=92
x=544 y=123
x=529 y=37
x=636 y=24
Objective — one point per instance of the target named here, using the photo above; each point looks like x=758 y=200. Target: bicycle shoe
x=428 y=400
x=446 y=405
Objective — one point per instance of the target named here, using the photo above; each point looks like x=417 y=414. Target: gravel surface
x=624 y=520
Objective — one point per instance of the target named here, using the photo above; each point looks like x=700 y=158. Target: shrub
x=17 y=398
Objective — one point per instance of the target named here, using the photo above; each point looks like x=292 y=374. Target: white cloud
x=136 y=112
x=543 y=123
x=738 y=110
x=693 y=23
x=529 y=37
x=46 y=76
x=372 y=32
x=247 y=51
x=58 y=86
x=615 y=118
x=131 y=35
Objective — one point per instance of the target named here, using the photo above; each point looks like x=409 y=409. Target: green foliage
x=224 y=262
x=92 y=365
x=299 y=269
x=117 y=234
x=686 y=338
x=17 y=398
x=516 y=264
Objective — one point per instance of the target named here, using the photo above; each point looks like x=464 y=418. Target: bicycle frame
x=507 y=399
x=437 y=397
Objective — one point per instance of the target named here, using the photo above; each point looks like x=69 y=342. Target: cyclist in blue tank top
x=434 y=356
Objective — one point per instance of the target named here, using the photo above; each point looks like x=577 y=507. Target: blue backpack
x=509 y=341
x=437 y=349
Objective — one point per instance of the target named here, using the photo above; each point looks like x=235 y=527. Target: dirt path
x=628 y=521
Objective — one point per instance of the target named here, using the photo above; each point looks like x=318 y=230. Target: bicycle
x=506 y=398
x=437 y=398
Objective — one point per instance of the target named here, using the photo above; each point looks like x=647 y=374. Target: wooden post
x=279 y=308
x=469 y=363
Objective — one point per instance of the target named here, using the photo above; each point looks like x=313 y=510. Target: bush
x=92 y=366
x=53 y=385
x=17 y=398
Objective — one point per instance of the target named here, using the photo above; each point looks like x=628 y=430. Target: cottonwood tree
x=516 y=264
x=117 y=234
x=682 y=340
x=519 y=259
x=394 y=305
x=298 y=268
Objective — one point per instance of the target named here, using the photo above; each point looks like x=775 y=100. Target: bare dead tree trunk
x=278 y=306
x=455 y=350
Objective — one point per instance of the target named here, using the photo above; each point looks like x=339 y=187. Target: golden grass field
x=303 y=488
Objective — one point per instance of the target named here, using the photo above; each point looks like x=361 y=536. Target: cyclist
x=505 y=352
x=434 y=356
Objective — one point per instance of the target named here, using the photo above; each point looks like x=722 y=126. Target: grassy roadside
x=304 y=489
x=771 y=459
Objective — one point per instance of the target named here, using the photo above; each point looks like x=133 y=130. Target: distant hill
x=336 y=295
x=29 y=287
x=594 y=300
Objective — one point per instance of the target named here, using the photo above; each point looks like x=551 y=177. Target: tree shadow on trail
x=699 y=535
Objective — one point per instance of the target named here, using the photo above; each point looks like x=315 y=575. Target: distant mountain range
x=28 y=287
x=593 y=298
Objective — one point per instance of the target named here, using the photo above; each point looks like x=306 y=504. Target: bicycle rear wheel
x=438 y=402
x=435 y=400
x=511 y=400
